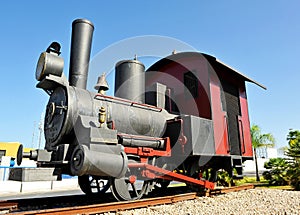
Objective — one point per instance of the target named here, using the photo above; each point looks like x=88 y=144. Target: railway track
x=229 y=189
x=9 y=207
x=6 y=206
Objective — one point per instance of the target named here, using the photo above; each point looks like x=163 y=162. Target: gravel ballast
x=254 y=201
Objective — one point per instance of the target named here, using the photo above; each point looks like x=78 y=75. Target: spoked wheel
x=93 y=184
x=125 y=190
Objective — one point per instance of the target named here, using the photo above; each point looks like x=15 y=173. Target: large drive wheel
x=124 y=190
x=93 y=184
x=129 y=187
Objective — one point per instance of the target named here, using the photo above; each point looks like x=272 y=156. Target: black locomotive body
x=183 y=119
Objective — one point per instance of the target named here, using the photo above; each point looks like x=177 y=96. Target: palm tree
x=293 y=151
x=294 y=144
x=260 y=140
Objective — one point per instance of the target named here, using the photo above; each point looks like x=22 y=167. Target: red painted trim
x=150 y=152
x=226 y=132
x=131 y=103
x=241 y=132
x=166 y=174
x=244 y=118
x=219 y=120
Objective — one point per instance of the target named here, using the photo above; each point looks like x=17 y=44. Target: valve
x=102 y=116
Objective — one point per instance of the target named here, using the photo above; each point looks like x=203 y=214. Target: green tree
x=260 y=140
x=293 y=139
x=293 y=151
x=278 y=170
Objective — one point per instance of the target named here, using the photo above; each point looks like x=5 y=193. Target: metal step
x=238 y=176
x=237 y=164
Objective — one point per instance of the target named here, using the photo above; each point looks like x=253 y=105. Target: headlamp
x=49 y=63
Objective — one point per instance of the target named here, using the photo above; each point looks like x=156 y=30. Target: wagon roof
x=211 y=59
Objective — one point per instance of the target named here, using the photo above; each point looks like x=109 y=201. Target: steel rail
x=9 y=206
x=120 y=206
x=115 y=206
x=229 y=189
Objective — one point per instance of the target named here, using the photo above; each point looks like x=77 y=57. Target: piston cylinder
x=88 y=162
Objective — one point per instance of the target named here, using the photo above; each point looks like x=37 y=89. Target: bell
x=102 y=84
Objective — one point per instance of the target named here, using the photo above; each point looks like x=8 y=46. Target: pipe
x=81 y=42
x=136 y=142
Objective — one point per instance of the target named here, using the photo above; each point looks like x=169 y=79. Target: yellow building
x=11 y=149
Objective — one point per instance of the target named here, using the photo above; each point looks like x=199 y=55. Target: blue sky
x=259 y=38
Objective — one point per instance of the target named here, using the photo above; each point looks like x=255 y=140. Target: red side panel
x=244 y=125
x=219 y=120
x=172 y=75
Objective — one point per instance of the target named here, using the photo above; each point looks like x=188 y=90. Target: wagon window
x=191 y=85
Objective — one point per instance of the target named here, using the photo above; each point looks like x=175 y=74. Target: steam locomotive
x=183 y=119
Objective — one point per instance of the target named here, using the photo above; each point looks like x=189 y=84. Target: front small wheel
x=90 y=184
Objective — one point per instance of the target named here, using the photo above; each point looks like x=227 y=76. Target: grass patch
x=284 y=187
x=250 y=180
x=262 y=183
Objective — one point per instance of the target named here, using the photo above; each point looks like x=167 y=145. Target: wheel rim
x=124 y=190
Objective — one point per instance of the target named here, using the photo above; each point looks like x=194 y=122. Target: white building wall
x=249 y=166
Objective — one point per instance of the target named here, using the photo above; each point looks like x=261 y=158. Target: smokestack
x=82 y=33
